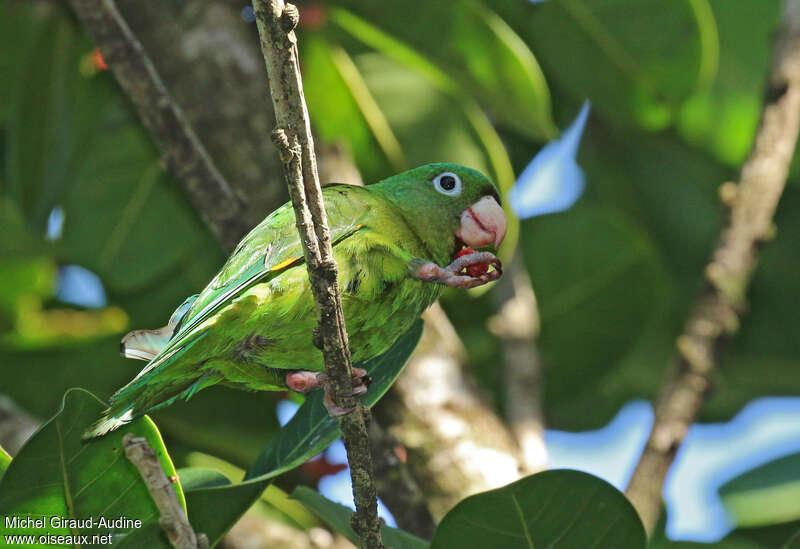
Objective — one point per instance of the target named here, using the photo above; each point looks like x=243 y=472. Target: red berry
x=98 y=61
x=477 y=270
x=465 y=251
x=319 y=467
x=312 y=16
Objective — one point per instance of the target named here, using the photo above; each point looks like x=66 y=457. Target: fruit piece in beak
x=482 y=224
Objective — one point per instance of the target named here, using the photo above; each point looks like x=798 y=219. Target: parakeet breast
x=271 y=324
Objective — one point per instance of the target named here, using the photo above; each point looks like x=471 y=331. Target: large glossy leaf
x=56 y=474
x=558 y=509
x=194 y=478
x=309 y=432
x=338 y=516
x=598 y=281
x=766 y=495
x=637 y=60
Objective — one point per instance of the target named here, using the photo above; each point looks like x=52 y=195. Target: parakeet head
x=448 y=206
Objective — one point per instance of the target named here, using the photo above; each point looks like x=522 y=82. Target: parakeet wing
x=271 y=247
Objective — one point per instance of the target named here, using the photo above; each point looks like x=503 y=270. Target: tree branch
x=717 y=311
x=457 y=446
x=276 y=22
x=182 y=152
x=396 y=485
x=207 y=59
x=517 y=325
x=173 y=518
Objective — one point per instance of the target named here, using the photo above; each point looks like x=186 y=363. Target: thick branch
x=517 y=324
x=206 y=57
x=173 y=518
x=717 y=312
x=182 y=152
x=396 y=485
x=457 y=446
x=276 y=22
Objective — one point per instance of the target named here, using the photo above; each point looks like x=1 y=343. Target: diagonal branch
x=182 y=152
x=717 y=311
x=276 y=22
x=173 y=518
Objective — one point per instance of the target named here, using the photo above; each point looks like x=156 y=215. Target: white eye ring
x=448 y=183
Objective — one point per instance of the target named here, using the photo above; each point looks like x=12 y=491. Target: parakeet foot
x=451 y=275
x=303 y=381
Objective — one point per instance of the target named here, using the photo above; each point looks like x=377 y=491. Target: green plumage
x=253 y=323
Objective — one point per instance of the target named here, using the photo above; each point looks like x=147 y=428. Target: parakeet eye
x=448 y=183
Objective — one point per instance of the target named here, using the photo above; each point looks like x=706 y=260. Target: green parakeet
x=251 y=327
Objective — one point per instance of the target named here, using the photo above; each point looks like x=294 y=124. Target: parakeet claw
x=451 y=275
x=303 y=381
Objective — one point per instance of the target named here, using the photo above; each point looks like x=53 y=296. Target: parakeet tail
x=154 y=387
x=106 y=424
x=132 y=402
x=146 y=344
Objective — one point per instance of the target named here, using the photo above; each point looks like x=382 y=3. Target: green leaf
x=727 y=543
x=56 y=474
x=193 y=478
x=738 y=539
x=637 y=60
x=598 y=281
x=557 y=509
x=5 y=461
x=309 y=432
x=766 y=495
x=338 y=516
x=793 y=542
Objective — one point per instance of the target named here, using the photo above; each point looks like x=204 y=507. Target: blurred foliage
x=123 y=219
x=768 y=494
x=5 y=460
x=57 y=475
x=778 y=536
x=675 y=87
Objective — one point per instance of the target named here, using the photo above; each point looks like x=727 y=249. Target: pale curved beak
x=482 y=224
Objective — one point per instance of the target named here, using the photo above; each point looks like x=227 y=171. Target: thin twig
x=717 y=311
x=182 y=152
x=276 y=22
x=173 y=518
